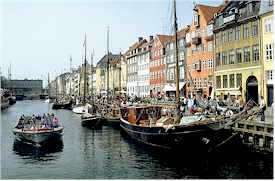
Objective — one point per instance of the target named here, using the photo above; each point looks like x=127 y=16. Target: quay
x=257 y=135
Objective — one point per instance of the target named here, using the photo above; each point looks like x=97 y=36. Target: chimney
x=140 y=39
x=151 y=38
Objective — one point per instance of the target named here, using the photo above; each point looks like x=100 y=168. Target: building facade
x=143 y=72
x=237 y=59
x=157 y=64
x=132 y=66
x=267 y=50
x=170 y=60
x=200 y=58
x=28 y=88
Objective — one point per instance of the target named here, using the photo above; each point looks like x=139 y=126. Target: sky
x=39 y=36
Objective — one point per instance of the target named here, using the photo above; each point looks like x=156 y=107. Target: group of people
x=48 y=120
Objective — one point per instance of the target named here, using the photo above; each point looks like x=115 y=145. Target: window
x=269 y=51
x=210 y=63
x=224 y=37
x=255 y=28
x=210 y=46
x=268 y=25
x=171 y=73
x=256 y=55
x=218 y=59
x=231 y=80
x=224 y=58
x=238 y=80
x=181 y=72
x=232 y=57
x=269 y=75
x=224 y=81
x=238 y=33
x=231 y=35
x=246 y=54
x=181 y=42
x=239 y=55
x=182 y=55
x=218 y=81
x=246 y=30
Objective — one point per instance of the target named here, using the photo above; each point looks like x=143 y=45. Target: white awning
x=172 y=87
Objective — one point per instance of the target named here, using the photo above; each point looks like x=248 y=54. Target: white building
x=143 y=72
x=132 y=67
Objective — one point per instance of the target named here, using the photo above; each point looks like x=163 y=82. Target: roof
x=266 y=7
x=102 y=63
x=164 y=38
x=135 y=45
x=183 y=32
x=209 y=11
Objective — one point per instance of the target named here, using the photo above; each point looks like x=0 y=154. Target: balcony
x=196 y=40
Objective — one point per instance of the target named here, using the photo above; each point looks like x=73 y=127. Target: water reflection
x=45 y=152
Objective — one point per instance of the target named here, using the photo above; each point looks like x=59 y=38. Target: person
x=262 y=108
x=190 y=104
x=20 y=124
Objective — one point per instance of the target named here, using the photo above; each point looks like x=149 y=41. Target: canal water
x=107 y=154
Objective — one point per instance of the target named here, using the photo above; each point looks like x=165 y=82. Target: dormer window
x=196 y=18
x=270 y=2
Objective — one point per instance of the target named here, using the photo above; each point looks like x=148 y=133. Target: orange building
x=157 y=64
x=199 y=45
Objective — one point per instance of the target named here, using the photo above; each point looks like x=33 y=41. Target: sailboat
x=163 y=126
x=63 y=102
x=83 y=107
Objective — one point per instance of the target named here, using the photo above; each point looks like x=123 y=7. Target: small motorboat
x=66 y=104
x=38 y=130
x=82 y=108
x=91 y=120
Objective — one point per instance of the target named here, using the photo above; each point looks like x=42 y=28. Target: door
x=252 y=89
x=269 y=94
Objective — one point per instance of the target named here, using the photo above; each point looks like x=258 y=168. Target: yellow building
x=237 y=59
x=267 y=51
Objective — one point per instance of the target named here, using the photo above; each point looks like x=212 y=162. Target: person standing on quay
x=263 y=108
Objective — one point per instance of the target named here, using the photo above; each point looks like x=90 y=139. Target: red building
x=157 y=63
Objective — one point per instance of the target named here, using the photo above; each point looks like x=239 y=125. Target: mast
x=108 y=62
x=49 y=89
x=85 y=64
x=177 y=59
x=70 y=75
x=92 y=72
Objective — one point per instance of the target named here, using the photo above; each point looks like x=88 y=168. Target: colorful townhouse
x=132 y=66
x=157 y=64
x=237 y=58
x=143 y=71
x=199 y=45
x=267 y=49
x=170 y=60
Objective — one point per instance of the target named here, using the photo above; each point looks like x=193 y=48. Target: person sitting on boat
x=20 y=124
x=55 y=122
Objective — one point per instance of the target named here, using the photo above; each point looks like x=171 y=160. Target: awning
x=172 y=87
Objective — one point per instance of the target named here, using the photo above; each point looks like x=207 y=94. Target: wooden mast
x=70 y=75
x=92 y=73
x=49 y=86
x=85 y=64
x=108 y=62
x=177 y=60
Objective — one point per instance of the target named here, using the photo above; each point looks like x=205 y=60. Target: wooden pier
x=255 y=134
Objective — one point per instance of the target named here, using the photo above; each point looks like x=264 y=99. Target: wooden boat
x=64 y=104
x=112 y=116
x=148 y=125
x=91 y=120
x=33 y=130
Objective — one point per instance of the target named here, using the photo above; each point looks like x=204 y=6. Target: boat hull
x=38 y=137
x=95 y=121
x=178 y=137
x=81 y=109
x=62 y=106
